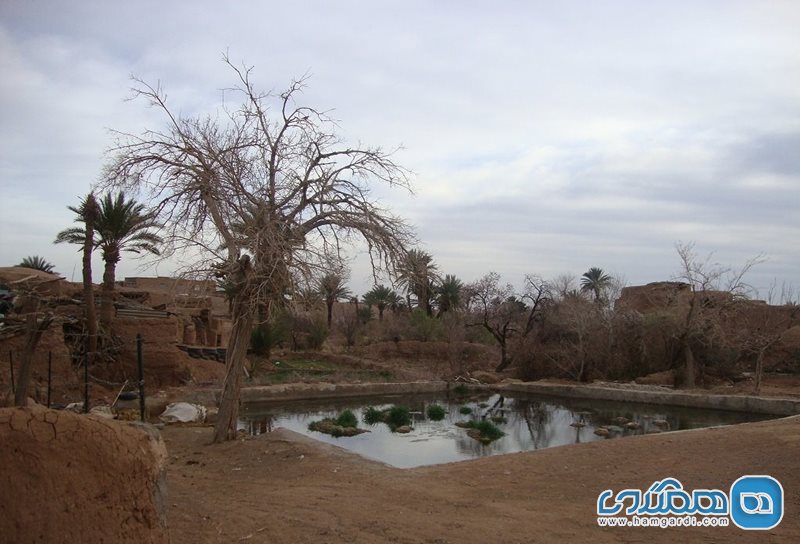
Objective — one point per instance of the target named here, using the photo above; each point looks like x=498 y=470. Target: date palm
x=332 y=287
x=381 y=297
x=448 y=293
x=595 y=280
x=37 y=263
x=121 y=225
x=417 y=275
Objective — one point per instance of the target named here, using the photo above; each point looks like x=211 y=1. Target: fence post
x=140 y=363
x=86 y=384
x=49 y=375
x=11 y=365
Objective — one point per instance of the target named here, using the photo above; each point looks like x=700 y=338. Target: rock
x=76 y=407
x=621 y=420
x=102 y=411
x=615 y=428
x=577 y=424
x=663 y=423
x=476 y=434
x=486 y=377
x=632 y=425
x=462 y=424
x=183 y=412
x=403 y=429
x=329 y=426
x=602 y=431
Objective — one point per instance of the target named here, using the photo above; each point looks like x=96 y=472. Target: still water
x=531 y=423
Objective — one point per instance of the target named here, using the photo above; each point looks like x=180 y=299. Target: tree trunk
x=107 y=303
x=759 y=371
x=688 y=367
x=330 y=312
x=504 y=360
x=380 y=312
x=225 y=427
x=33 y=333
x=90 y=212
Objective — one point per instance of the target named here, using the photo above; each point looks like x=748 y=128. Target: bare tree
x=263 y=194
x=786 y=294
x=564 y=285
x=498 y=309
x=491 y=306
x=712 y=287
x=756 y=328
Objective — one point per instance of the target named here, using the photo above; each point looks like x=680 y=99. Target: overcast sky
x=545 y=137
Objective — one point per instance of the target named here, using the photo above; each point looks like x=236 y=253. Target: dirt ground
x=283 y=487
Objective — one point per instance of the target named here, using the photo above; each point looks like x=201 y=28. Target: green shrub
x=487 y=429
x=372 y=416
x=394 y=417
x=436 y=412
x=347 y=419
x=317 y=332
x=466 y=410
x=270 y=334
x=424 y=327
x=397 y=416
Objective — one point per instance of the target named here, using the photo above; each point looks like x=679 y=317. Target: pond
x=529 y=423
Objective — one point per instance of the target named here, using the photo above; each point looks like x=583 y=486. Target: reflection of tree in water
x=261 y=425
x=469 y=446
x=536 y=415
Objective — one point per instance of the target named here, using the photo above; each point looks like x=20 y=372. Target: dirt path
x=284 y=487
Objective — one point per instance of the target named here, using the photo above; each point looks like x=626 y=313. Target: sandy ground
x=283 y=487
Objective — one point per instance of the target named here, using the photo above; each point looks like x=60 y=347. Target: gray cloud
x=544 y=137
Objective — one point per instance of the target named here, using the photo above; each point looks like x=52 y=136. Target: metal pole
x=49 y=376
x=140 y=363
x=11 y=365
x=86 y=384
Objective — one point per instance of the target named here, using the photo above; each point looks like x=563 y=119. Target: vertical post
x=86 y=384
x=140 y=364
x=11 y=365
x=49 y=376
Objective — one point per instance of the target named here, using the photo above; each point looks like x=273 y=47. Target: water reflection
x=529 y=423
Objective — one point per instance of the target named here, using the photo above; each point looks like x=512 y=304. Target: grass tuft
x=436 y=412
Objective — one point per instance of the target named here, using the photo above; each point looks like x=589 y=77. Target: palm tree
x=448 y=293
x=595 y=280
x=332 y=287
x=381 y=296
x=121 y=225
x=417 y=275
x=37 y=263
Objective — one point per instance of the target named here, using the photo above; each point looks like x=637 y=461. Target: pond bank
x=281 y=487
x=738 y=403
x=620 y=393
